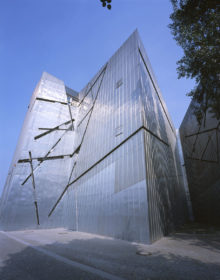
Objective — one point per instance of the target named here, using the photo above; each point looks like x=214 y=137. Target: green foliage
x=195 y=27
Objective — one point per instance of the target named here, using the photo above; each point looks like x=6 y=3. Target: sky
x=72 y=39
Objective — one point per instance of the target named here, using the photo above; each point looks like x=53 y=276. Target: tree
x=106 y=3
x=195 y=27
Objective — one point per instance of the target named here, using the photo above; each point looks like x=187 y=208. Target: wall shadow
x=116 y=257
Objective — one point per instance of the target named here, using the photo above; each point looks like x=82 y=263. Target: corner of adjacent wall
x=185 y=181
x=145 y=166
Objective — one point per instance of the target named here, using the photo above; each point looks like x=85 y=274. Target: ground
x=191 y=253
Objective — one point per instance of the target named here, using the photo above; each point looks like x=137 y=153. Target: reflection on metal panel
x=104 y=160
x=201 y=150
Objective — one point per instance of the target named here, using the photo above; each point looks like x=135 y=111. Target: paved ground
x=61 y=254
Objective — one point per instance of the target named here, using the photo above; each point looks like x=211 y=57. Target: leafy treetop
x=195 y=27
x=106 y=3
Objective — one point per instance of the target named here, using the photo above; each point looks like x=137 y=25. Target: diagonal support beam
x=45 y=128
x=47 y=154
x=204 y=160
x=45 y=158
x=155 y=88
x=79 y=147
x=209 y=138
x=92 y=85
x=32 y=170
x=53 y=129
x=201 y=132
x=100 y=160
x=51 y=100
x=71 y=117
x=83 y=118
x=34 y=188
x=194 y=144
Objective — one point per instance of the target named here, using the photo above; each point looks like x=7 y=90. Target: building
x=201 y=149
x=104 y=160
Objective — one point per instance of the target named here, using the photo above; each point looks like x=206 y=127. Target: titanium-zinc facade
x=104 y=160
x=201 y=149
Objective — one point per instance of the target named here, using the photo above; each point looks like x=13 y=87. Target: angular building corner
x=104 y=160
x=201 y=149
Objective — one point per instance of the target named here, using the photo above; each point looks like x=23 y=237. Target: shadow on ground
x=200 y=235
x=116 y=257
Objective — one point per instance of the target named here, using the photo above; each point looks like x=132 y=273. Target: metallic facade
x=105 y=160
x=201 y=149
